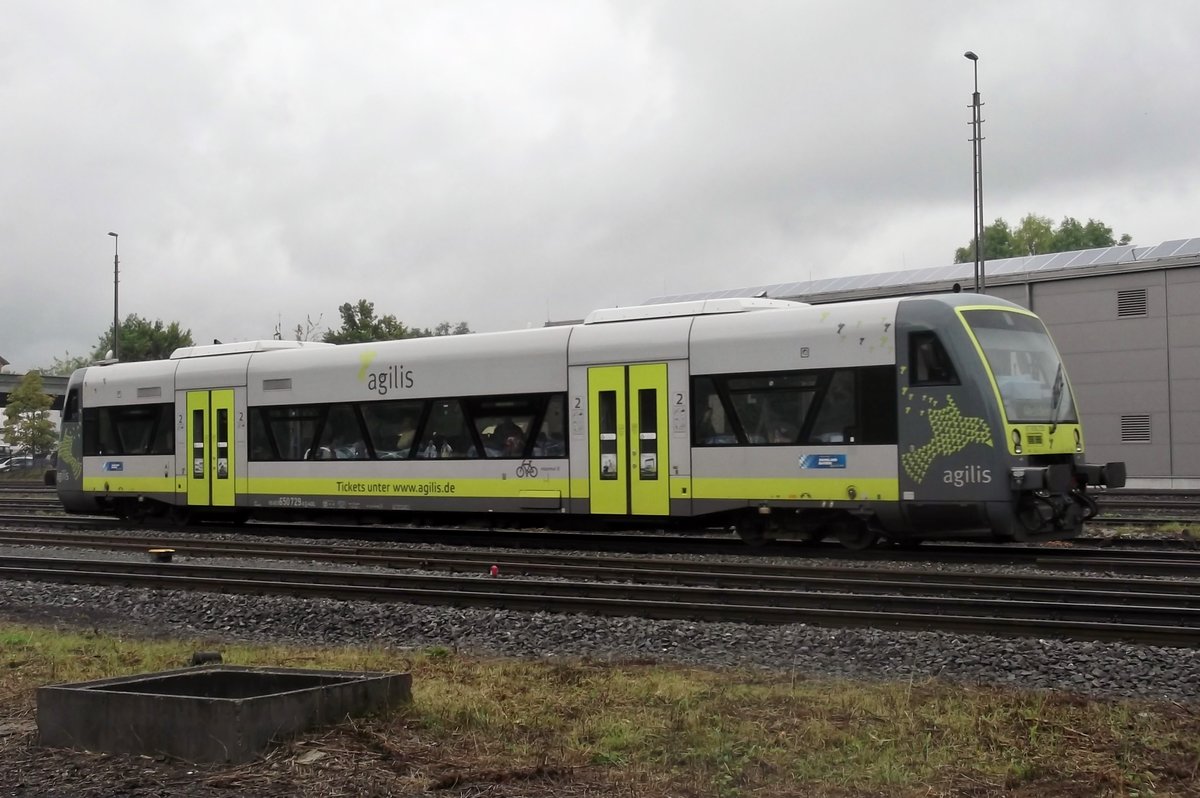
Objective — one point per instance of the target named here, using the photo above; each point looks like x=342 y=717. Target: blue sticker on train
x=823 y=461
x=114 y=466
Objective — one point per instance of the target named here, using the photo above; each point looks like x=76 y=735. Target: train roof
x=695 y=308
x=242 y=347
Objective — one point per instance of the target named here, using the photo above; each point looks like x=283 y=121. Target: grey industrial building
x=1126 y=320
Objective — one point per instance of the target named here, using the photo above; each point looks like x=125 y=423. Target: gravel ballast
x=1101 y=669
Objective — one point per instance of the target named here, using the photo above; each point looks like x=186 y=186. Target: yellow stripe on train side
x=774 y=489
x=124 y=484
x=446 y=488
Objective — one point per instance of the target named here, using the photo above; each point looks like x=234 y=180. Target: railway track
x=662 y=571
x=1182 y=558
x=1157 y=617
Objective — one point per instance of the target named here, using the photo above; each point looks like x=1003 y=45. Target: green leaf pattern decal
x=66 y=458
x=951 y=432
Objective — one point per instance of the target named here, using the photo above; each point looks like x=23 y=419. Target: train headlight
x=1016 y=439
x=1078 y=441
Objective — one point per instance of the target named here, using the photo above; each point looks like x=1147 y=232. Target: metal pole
x=116 y=324
x=977 y=176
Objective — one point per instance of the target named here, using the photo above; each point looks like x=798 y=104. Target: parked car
x=16 y=462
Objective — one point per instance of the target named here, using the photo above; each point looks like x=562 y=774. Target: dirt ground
x=369 y=759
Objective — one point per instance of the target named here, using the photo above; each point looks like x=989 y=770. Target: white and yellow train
x=943 y=416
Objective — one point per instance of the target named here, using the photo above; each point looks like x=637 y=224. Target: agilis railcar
x=941 y=416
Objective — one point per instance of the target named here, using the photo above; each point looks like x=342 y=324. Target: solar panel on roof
x=1089 y=256
x=876 y=280
x=1006 y=266
x=790 y=289
x=959 y=272
x=1190 y=247
x=1111 y=255
x=1076 y=259
x=946 y=272
x=1166 y=249
x=1055 y=261
x=915 y=276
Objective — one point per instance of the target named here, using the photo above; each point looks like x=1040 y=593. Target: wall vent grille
x=149 y=393
x=284 y=384
x=1132 y=302
x=1135 y=429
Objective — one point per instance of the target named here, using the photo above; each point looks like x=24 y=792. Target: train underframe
x=1044 y=503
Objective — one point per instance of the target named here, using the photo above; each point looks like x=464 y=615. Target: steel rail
x=1180 y=561
x=1140 y=623
x=729 y=574
x=1149 y=625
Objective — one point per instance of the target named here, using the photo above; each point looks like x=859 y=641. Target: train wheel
x=753 y=531
x=854 y=533
x=179 y=516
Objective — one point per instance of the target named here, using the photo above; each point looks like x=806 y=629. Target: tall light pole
x=116 y=265
x=977 y=171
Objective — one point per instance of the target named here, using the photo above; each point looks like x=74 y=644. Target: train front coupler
x=1055 y=497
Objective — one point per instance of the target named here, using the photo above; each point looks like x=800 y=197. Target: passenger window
x=392 y=427
x=607 y=401
x=71 y=405
x=551 y=439
x=928 y=362
x=835 y=419
x=504 y=423
x=710 y=424
x=771 y=408
x=293 y=429
x=647 y=403
x=341 y=437
x=261 y=447
x=446 y=435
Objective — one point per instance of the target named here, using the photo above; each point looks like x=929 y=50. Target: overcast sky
x=506 y=163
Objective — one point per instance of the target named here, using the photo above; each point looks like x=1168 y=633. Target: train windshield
x=1027 y=368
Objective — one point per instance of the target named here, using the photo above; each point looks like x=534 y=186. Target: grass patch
x=1187 y=530
x=657 y=730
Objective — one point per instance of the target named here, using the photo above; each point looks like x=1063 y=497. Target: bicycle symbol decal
x=526 y=470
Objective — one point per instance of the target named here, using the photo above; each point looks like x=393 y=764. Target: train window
x=834 y=422
x=876 y=421
x=292 y=429
x=504 y=422
x=128 y=430
x=609 y=459
x=771 y=408
x=261 y=445
x=647 y=403
x=222 y=443
x=163 y=441
x=341 y=436
x=198 y=455
x=392 y=427
x=70 y=410
x=551 y=437
x=820 y=407
x=710 y=423
x=929 y=364
x=446 y=433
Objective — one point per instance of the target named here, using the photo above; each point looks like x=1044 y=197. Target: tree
x=360 y=325
x=142 y=339
x=1035 y=236
x=301 y=332
x=66 y=366
x=27 y=424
